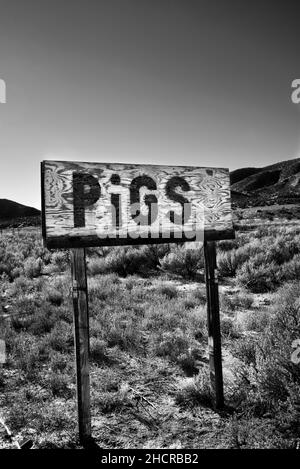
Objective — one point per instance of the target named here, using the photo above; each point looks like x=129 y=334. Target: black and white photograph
x=149 y=228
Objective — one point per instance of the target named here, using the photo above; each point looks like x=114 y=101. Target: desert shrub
x=156 y=252
x=51 y=269
x=61 y=337
x=184 y=262
x=60 y=259
x=228 y=262
x=109 y=402
x=27 y=354
x=98 y=350
x=172 y=322
x=286 y=319
x=20 y=287
x=123 y=335
x=163 y=317
x=281 y=250
x=227 y=244
x=258 y=278
x=96 y=329
x=41 y=324
x=59 y=362
x=273 y=379
x=245 y=350
x=188 y=364
x=46 y=255
x=197 y=320
x=171 y=344
x=130 y=283
x=268 y=376
x=11 y=263
x=128 y=261
x=5 y=268
x=58 y=383
x=2 y=380
x=104 y=287
x=96 y=266
x=232 y=303
x=122 y=261
x=33 y=267
x=290 y=270
x=190 y=302
x=169 y=291
x=194 y=299
x=199 y=296
x=256 y=321
x=229 y=328
x=249 y=432
x=226 y=304
x=64 y=313
x=270 y=249
x=192 y=360
x=54 y=296
x=58 y=419
x=38 y=317
x=26 y=305
x=22 y=322
x=17 y=418
x=16 y=272
x=9 y=335
x=195 y=391
x=243 y=300
x=98 y=251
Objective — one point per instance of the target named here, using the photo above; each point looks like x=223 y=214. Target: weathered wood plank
x=81 y=334
x=213 y=323
x=92 y=204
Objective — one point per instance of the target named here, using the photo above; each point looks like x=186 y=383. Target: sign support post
x=213 y=323
x=81 y=336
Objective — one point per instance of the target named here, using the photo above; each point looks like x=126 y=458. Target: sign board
x=98 y=204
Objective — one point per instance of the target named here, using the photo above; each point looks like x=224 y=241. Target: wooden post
x=81 y=334
x=213 y=320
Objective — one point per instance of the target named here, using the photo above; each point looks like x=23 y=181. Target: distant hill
x=240 y=174
x=278 y=183
x=10 y=210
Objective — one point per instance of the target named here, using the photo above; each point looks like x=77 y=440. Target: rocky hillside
x=274 y=184
x=14 y=214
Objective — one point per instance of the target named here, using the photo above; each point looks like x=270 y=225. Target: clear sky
x=204 y=83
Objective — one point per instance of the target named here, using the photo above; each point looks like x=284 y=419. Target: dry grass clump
x=263 y=260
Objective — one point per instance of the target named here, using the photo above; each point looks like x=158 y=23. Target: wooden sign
x=98 y=204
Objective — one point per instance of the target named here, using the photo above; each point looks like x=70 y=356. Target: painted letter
x=172 y=184
x=86 y=191
x=150 y=200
